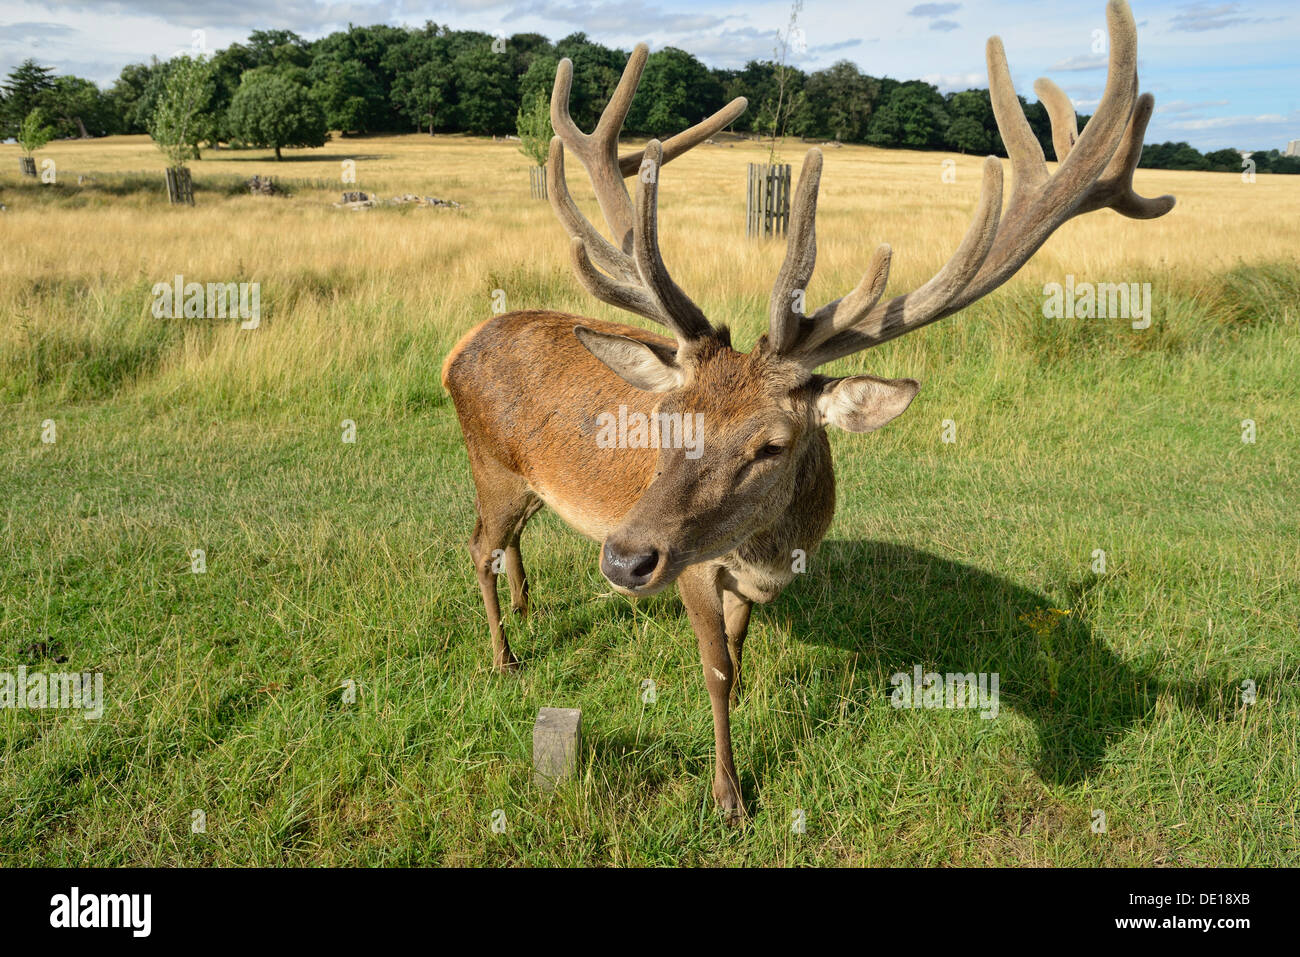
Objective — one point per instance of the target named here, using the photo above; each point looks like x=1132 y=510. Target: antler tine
x=598 y=151
x=1095 y=171
x=800 y=258
x=1115 y=187
x=650 y=291
x=610 y=257
x=1065 y=125
x=835 y=317
x=687 y=139
x=634 y=276
x=676 y=308
x=879 y=322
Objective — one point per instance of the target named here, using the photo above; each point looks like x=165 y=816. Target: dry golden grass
x=431 y=272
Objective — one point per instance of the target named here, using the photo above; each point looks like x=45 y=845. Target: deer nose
x=630 y=568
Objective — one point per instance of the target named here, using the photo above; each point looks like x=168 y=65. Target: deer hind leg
x=515 y=563
x=735 y=613
x=504 y=503
x=702 y=595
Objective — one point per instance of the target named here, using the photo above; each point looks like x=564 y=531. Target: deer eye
x=770 y=451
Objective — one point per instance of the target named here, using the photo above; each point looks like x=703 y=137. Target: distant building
x=1293 y=148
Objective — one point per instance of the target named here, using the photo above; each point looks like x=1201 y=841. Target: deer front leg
x=702 y=595
x=735 y=612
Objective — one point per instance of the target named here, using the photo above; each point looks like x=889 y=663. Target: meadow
x=1152 y=718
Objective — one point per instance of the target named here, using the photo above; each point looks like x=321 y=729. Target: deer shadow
x=896 y=607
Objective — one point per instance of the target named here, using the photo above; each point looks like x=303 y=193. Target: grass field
x=329 y=563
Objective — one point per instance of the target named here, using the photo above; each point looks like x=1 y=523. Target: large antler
x=634 y=276
x=1095 y=172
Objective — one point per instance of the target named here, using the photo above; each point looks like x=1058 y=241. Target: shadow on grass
x=898 y=607
x=894 y=607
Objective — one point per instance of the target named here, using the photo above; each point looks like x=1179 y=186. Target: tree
x=1224 y=161
x=912 y=116
x=533 y=125
x=840 y=101
x=971 y=121
x=129 y=97
x=33 y=133
x=775 y=114
x=179 y=123
x=279 y=49
x=80 y=109
x=349 y=94
x=485 y=90
x=676 y=91
x=25 y=89
x=272 y=109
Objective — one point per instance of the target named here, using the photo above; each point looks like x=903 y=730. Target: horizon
x=1224 y=75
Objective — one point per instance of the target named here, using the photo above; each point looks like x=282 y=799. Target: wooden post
x=28 y=165
x=537 y=181
x=180 y=187
x=767 y=207
x=557 y=736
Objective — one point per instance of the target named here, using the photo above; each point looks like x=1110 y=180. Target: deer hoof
x=728 y=799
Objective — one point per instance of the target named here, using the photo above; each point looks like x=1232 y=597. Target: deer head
x=765 y=412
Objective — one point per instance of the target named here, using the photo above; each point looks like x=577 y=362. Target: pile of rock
x=263 y=186
x=359 y=200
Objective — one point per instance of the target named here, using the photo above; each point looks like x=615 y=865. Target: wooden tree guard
x=537 y=181
x=28 y=165
x=180 y=188
x=767 y=209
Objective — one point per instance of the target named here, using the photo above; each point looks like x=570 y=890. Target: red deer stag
x=724 y=520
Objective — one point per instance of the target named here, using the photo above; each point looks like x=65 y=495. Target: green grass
x=329 y=561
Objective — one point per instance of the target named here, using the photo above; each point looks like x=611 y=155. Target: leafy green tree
x=349 y=95
x=273 y=109
x=676 y=91
x=971 y=122
x=840 y=102
x=484 y=90
x=129 y=96
x=1225 y=161
x=533 y=126
x=33 y=133
x=1172 y=156
x=363 y=102
x=279 y=49
x=912 y=116
x=179 y=122
x=80 y=109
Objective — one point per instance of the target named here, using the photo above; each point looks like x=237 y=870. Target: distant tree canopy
x=382 y=79
x=274 y=108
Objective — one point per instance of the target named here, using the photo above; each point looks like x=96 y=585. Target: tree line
x=278 y=89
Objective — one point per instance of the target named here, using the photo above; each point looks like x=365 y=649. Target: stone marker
x=557 y=735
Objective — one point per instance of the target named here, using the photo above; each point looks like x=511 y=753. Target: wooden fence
x=767 y=206
x=180 y=188
x=28 y=165
x=537 y=182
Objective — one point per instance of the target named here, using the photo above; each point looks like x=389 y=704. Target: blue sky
x=1224 y=74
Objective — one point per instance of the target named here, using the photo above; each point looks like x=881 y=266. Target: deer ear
x=649 y=367
x=863 y=403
